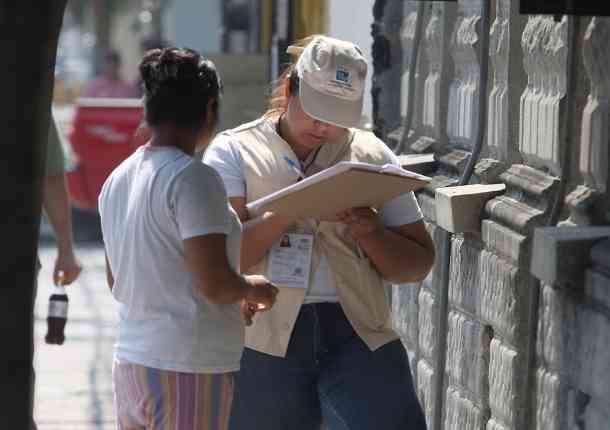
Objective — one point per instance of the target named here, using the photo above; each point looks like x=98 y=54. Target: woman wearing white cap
x=326 y=353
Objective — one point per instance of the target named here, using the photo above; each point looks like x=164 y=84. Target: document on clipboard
x=345 y=185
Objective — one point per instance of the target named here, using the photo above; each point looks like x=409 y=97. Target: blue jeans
x=328 y=376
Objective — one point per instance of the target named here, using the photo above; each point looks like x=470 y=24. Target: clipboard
x=345 y=185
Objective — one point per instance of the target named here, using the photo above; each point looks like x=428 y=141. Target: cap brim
x=330 y=109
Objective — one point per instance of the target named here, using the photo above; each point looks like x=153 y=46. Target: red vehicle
x=104 y=133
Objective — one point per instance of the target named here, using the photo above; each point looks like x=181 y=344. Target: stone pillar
x=436 y=85
x=506 y=59
x=463 y=115
x=595 y=129
x=407 y=38
x=543 y=110
x=428 y=130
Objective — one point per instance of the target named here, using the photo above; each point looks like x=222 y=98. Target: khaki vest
x=359 y=286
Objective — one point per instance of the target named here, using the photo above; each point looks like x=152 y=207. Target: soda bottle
x=58 y=313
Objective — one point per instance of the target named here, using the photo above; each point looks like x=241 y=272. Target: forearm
x=234 y=287
x=57 y=208
x=258 y=237
x=397 y=258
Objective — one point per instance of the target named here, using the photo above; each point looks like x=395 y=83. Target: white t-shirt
x=224 y=156
x=150 y=203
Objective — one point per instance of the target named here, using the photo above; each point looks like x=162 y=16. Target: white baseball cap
x=332 y=75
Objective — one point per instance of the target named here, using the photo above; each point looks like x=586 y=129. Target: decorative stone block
x=489 y=170
x=506 y=242
x=495 y=425
x=461 y=413
x=503 y=296
x=581 y=202
x=459 y=209
x=440 y=181
x=468 y=355
x=428 y=330
x=505 y=379
x=561 y=254
x=426 y=391
x=419 y=163
x=423 y=144
x=531 y=181
x=464 y=279
x=551 y=401
x=557 y=339
x=455 y=160
x=405 y=311
x=515 y=213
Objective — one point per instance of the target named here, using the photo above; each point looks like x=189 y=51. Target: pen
x=295 y=167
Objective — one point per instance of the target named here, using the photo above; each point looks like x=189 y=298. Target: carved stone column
x=595 y=129
x=506 y=58
x=463 y=116
x=428 y=131
x=543 y=110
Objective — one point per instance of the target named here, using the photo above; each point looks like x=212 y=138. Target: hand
x=260 y=294
x=67 y=263
x=361 y=222
x=248 y=310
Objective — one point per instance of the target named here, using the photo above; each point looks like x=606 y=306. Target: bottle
x=58 y=313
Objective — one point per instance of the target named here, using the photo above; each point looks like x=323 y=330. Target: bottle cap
x=61 y=278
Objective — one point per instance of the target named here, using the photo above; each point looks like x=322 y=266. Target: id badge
x=290 y=260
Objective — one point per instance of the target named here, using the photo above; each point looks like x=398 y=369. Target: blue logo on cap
x=342 y=75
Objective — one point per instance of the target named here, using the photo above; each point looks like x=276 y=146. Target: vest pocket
x=362 y=292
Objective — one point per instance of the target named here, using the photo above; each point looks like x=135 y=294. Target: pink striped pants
x=153 y=399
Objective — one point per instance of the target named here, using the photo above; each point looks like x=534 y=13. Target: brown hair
x=288 y=82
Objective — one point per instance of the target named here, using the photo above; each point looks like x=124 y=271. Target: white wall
x=195 y=24
x=351 y=20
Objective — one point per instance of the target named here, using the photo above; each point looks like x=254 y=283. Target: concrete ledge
x=418 y=163
x=560 y=255
x=459 y=209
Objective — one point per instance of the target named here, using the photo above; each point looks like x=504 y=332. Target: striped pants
x=153 y=399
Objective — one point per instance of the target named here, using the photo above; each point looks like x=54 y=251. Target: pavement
x=74 y=380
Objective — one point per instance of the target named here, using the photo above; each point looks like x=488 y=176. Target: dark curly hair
x=178 y=83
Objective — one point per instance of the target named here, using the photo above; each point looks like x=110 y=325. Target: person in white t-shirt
x=173 y=253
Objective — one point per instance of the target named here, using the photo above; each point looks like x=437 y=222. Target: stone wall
x=490 y=345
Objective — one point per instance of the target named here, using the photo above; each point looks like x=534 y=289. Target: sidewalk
x=73 y=381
